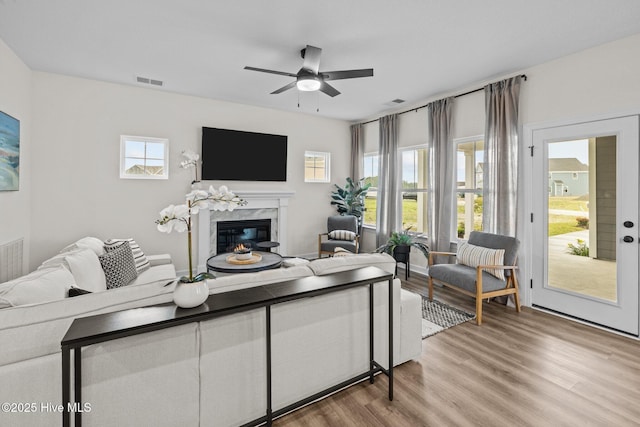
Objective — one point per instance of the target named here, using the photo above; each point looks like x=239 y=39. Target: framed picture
x=9 y=152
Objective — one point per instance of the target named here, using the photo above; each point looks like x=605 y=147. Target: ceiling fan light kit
x=308 y=83
x=310 y=79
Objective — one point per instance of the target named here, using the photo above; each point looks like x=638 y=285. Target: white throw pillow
x=43 y=285
x=86 y=269
x=93 y=243
x=474 y=256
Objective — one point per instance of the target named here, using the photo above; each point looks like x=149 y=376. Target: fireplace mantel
x=258 y=199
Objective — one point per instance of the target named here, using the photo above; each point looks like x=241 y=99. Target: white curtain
x=388 y=180
x=441 y=155
x=357 y=151
x=501 y=157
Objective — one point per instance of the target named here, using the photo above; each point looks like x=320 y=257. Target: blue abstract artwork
x=9 y=152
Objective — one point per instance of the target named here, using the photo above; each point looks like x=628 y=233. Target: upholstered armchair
x=342 y=232
x=485 y=268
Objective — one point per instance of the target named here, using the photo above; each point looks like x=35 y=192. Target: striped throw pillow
x=342 y=235
x=474 y=256
x=140 y=259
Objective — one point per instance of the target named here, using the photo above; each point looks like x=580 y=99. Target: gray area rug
x=437 y=316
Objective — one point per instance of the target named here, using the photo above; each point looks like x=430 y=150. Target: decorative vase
x=190 y=294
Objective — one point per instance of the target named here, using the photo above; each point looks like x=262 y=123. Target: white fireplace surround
x=263 y=204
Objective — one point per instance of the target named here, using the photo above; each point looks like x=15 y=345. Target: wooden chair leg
x=478 y=310
x=516 y=295
x=478 y=296
x=430 y=288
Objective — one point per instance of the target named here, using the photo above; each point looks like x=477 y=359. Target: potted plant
x=400 y=243
x=350 y=199
x=193 y=290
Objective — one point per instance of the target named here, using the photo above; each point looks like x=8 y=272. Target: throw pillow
x=119 y=266
x=342 y=235
x=85 y=267
x=474 y=256
x=49 y=284
x=93 y=243
x=142 y=263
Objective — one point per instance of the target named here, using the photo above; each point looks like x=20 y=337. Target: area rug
x=438 y=316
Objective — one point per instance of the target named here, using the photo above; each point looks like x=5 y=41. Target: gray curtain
x=501 y=157
x=441 y=155
x=357 y=151
x=388 y=180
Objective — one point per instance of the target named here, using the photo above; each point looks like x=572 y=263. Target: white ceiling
x=418 y=48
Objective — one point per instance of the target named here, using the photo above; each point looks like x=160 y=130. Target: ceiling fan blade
x=329 y=90
x=283 y=88
x=312 y=59
x=263 y=70
x=347 y=74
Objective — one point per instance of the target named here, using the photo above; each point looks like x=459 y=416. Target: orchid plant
x=178 y=218
x=190 y=161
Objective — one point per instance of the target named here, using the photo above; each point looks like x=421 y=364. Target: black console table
x=110 y=326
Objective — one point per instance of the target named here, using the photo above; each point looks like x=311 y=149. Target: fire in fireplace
x=246 y=232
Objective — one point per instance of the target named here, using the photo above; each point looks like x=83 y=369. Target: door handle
x=628 y=224
x=627 y=239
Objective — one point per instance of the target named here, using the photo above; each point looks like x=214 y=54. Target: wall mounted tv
x=234 y=155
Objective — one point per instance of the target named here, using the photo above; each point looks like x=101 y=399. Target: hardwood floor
x=517 y=369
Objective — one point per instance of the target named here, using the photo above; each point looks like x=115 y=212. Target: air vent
x=149 y=81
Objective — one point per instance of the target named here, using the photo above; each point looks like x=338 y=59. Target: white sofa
x=207 y=373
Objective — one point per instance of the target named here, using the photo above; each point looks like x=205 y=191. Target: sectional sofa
x=207 y=373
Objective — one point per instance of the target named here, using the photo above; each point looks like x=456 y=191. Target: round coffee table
x=219 y=263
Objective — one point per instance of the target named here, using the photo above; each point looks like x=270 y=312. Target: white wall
x=15 y=100
x=78 y=192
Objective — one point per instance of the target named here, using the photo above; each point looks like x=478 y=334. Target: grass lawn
x=558 y=224
x=569 y=204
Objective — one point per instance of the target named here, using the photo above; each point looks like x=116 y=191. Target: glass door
x=586 y=221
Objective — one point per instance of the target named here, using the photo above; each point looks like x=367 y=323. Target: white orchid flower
x=191 y=159
x=173 y=218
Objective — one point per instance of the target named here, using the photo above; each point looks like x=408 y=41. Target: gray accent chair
x=327 y=246
x=475 y=281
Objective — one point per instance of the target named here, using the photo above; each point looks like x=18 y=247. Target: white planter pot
x=188 y=295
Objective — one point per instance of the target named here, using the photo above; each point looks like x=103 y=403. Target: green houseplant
x=401 y=242
x=349 y=200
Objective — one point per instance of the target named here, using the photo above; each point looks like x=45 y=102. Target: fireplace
x=247 y=232
x=263 y=205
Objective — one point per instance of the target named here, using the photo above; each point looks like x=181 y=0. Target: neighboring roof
x=567 y=165
x=139 y=170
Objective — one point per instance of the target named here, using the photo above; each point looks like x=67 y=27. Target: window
x=317 y=166
x=144 y=157
x=469 y=180
x=414 y=189
x=371 y=177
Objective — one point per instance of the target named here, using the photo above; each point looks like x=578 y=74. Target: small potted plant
x=400 y=243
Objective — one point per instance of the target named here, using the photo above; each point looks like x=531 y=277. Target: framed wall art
x=9 y=153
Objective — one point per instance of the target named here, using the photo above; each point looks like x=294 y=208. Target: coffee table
x=270 y=260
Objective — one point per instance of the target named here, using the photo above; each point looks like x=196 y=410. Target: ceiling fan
x=309 y=78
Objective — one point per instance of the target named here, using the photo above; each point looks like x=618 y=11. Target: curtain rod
x=524 y=76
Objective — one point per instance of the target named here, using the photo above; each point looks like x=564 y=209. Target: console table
x=110 y=326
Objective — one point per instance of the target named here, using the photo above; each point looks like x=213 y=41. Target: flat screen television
x=235 y=155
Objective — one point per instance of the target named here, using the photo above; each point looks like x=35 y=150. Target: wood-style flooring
x=517 y=369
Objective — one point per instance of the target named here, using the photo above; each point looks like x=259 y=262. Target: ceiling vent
x=394 y=102
x=149 y=81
